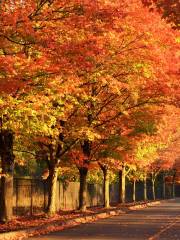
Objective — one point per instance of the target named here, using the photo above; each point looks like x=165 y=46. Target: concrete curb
x=58 y=226
x=144 y=205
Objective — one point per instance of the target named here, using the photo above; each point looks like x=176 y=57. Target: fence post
x=59 y=196
x=31 y=210
x=44 y=192
x=16 y=193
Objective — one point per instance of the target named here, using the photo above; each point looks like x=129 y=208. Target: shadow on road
x=157 y=222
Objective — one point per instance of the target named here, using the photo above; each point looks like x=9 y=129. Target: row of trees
x=86 y=84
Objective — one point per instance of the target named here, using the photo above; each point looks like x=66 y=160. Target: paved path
x=157 y=222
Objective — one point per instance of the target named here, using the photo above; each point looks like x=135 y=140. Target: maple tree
x=135 y=128
x=155 y=149
x=171 y=155
x=135 y=175
x=110 y=112
x=116 y=150
x=168 y=9
x=34 y=48
x=108 y=159
x=7 y=164
x=88 y=65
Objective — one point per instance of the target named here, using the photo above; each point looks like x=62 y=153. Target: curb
x=59 y=226
x=144 y=205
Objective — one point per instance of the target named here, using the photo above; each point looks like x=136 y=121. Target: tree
x=88 y=64
x=135 y=175
x=108 y=159
x=7 y=165
x=96 y=107
x=168 y=9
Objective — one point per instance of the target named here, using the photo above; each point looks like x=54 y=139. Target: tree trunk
x=173 y=190
x=83 y=188
x=51 y=208
x=145 y=188
x=173 y=186
x=122 y=184
x=7 y=165
x=83 y=170
x=153 y=189
x=134 y=190
x=164 y=187
x=106 y=186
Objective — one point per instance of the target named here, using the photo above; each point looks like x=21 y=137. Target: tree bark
x=122 y=184
x=153 y=189
x=173 y=190
x=7 y=165
x=164 y=187
x=52 y=181
x=134 y=190
x=106 y=186
x=145 y=188
x=83 y=170
x=83 y=188
x=173 y=186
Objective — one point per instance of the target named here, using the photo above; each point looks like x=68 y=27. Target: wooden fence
x=31 y=195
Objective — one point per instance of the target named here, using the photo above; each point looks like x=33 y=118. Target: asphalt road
x=157 y=222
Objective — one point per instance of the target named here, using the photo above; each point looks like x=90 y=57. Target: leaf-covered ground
x=24 y=222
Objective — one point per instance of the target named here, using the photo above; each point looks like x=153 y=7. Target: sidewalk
x=24 y=227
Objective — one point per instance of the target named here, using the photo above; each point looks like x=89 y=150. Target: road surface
x=157 y=222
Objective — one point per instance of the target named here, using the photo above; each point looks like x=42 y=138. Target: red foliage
x=78 y=158
x=113 y=57
x=168 y=8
